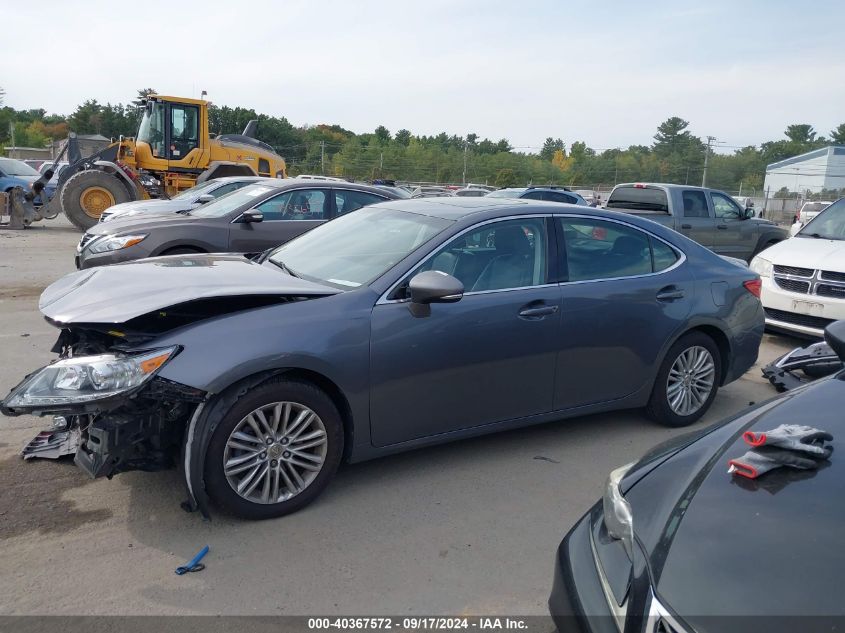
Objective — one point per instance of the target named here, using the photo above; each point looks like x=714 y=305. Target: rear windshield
x=645 y=198
x=812 y=207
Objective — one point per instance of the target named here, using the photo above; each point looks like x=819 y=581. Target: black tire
x=659 y=408
x=73 y=195
x=273 y=391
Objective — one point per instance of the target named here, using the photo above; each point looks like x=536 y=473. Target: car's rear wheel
x=274 y=451
x=687 y=381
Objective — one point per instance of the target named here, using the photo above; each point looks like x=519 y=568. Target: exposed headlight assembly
x=617 y=511
x=761 y=266
x=114 y=243
x=85 y=379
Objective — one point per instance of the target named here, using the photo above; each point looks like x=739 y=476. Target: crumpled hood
x=734 y=546
x=808 y=252
x=118 y=293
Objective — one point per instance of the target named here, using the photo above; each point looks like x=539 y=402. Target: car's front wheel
x=274 y=451
x=687 y=381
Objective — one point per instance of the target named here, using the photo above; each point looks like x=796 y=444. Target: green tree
x=673 y=137
x=505 y=178
x=382 y=134
x=550 y=146
x=403 y=137
x=836 y=136
x=800 y=133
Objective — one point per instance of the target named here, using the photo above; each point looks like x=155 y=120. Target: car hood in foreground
x=118 y=293
x=772 y=546
x=808 y=252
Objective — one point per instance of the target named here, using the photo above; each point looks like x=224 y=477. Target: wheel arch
x=717 y=335
x=209 y=414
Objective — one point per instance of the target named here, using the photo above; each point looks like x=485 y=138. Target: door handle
x=686 y=226
x=722 y=227
x=537 y=312
x=670 y=293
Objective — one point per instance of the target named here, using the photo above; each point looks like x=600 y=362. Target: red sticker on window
x=599 y=233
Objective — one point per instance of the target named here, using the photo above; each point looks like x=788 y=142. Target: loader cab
x=173 y=134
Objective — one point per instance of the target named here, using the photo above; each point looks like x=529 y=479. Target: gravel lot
x=467 y=528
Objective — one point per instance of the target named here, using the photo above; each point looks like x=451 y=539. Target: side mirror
x=434 y=286
x=251 y=216
x=834 y=335
x=206 y=197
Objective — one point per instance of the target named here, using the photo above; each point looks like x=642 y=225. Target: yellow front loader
x=173 y=150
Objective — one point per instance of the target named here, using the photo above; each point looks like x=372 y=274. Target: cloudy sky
x=606 y=72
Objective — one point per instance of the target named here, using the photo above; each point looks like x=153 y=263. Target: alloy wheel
x=275 y=452
x=691 y=379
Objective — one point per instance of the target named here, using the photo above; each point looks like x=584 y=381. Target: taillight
x=754 y=286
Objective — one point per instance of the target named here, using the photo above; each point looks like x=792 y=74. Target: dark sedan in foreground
x=403 y=324
x=679 y=544
x=248 y=220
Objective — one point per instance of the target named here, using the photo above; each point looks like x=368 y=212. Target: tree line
x=675 y=155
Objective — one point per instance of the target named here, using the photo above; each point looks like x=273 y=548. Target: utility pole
x=381 y=165
x=464 y=177
x=323 y=158
x=12 y=134
x=710 y=140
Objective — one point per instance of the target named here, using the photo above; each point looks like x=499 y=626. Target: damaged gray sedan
x=400 y=325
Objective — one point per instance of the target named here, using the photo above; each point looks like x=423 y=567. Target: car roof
x=665 y=185
x=479 y=209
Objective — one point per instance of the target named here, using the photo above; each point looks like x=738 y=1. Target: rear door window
x=597 y=249
x=347 y=200
x=556 y=196
x=695 y=204
x=534 y=195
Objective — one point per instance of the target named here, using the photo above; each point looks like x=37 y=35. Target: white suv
x=804 y=276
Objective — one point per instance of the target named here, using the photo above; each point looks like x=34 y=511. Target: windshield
x=828 y=225
x=151 y=129
x=357 y=248
x=194 y=192
x=506 y=193
x=12 y=167
x=231 y=201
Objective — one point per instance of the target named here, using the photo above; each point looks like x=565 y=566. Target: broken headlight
x=86 y=378
x=114 y=243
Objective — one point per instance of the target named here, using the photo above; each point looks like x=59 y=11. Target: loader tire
x=87 y=194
